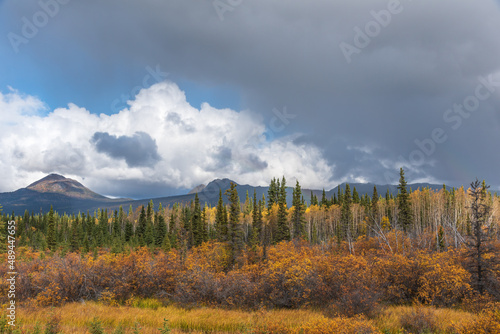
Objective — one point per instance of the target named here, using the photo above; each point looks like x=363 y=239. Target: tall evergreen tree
x=161 y=230
x=204 y=224
x=196 y=223
x=282 y=229
x=298 y=218
x=121 y=220
x=273 y=193
x=129 y=230
x=256 y=219
x=324 y=201
x=355 y=196
x=51 y=230
x=149 y=237
x=116 y=225
x=346 y=214
x=75 y=237
x=140 y=231
x=221 y=220
x=374 y=207
x=187 y=233
x=236 y=232
x=172 y=229
x=403 y=199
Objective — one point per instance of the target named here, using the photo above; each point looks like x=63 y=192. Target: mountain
x=58 y=184
x=197 y=189
x=70 y=196
x=64 y=194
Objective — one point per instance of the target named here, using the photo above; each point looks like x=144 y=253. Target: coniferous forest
x=355 y=258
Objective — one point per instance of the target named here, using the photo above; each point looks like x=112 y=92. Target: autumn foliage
x=294 y=274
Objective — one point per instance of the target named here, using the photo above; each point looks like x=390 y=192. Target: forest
x=350 y=258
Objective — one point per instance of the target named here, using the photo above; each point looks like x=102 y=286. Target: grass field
x=146 y=316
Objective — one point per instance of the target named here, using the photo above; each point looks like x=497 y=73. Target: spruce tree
x=75 y=238
x=172 y=229
x=121 y=220
x=256 y=219
x=166 y=245
x=346 y=214
x=236 y=232
x=116 y=225
x=220 y=221
x=204 y=224
x=282 y=229
x=149 y=238
x=355 y=196
x=374 y=207
x=129 y=230
x=273 y=193
x=324 y=201
x=150 y=213
x=140 y=231
x=298 y=218
x=403 y=199
x=187 y=233
x=196 y=223
x=161 y=230
x=51 y=230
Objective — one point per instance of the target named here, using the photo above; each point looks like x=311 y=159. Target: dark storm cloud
x=365 y=114
x=221 y=159
x=254 y=163
x=137 y=150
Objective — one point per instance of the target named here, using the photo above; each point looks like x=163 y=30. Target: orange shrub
x=487 y=322
x=443 y=282
x=289 y=276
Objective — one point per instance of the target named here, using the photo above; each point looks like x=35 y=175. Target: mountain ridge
x=55 y=183
x=70 y=196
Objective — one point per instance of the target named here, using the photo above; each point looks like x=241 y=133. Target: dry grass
x=76 y=316
x=421 y=319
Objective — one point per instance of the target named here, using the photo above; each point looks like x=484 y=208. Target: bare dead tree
x=481 y=255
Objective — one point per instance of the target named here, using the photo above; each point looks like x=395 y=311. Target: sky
x=151 y=98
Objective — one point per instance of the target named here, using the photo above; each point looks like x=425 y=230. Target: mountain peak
x=197 y=189
x=49 y=178
x=58 y=184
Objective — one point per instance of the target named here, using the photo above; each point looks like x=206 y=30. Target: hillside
x=70 y=196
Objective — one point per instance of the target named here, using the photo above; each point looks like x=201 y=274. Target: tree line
x=437 y=247
x=446 y=214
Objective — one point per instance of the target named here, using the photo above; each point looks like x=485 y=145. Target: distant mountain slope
x=70 y=196
x=58 y=184
x=64 y=194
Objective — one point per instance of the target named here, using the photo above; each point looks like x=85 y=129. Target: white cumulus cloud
x=158 y=144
